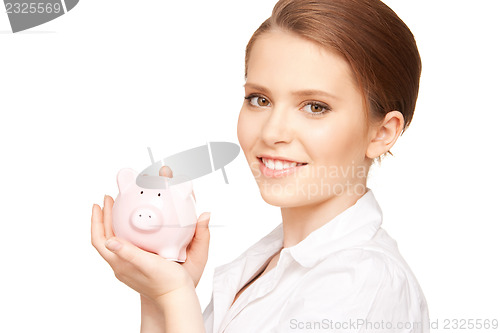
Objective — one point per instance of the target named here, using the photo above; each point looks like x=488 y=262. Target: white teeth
x=278 y=165
x=269 y=164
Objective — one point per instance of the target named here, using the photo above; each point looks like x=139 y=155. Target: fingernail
x=104 y=197
x=207 y=216
x=113 y=245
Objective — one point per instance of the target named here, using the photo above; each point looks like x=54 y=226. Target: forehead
x=286 y=60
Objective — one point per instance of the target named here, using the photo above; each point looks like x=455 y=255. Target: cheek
x=336 y=142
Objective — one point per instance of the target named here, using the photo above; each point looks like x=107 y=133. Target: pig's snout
x=146 y=219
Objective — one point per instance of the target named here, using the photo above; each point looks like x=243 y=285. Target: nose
x=277 y=127
x=146 y=219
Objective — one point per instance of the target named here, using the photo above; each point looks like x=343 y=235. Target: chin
x=281 y=202
x=280 y=198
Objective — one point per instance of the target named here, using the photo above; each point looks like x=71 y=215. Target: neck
x=299 y=222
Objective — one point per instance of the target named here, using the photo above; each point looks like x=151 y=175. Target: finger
x=202 y=226
x=97 y=232
x=165 y=171
x=108 y=218
x=130 y=253
x=201 y=239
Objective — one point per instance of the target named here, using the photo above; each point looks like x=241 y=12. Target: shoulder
x=358 y=283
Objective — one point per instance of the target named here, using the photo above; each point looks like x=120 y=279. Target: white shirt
x=346 y=276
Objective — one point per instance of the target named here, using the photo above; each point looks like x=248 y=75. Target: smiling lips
x=277 y=168
x=279 y=164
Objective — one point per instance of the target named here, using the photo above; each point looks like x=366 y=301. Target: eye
x=256 y=100
x=142 y=192
x=159 y=194
x=316 y=108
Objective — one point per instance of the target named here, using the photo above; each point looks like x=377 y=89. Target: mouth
x=278 y=166
x=283 y=161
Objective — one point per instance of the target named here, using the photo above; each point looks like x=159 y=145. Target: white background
x=85 y=95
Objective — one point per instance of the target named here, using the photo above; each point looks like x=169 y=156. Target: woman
x=330 y=86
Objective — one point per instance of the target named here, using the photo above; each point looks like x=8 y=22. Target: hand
x=197 y=250
x=145 y=272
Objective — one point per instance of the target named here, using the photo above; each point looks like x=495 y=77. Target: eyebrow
x=308 y=92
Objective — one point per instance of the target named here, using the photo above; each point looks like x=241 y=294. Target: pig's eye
x=142 y=192
x=158 y=194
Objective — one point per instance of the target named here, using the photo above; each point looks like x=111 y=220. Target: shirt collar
x=356 y=224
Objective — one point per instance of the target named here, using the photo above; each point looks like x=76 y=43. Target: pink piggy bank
x=160 y=220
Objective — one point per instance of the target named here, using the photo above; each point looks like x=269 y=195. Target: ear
x=385 y=134
x=125 y=178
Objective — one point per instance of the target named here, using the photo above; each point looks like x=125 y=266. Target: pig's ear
x=183 y=189
x=125 y=178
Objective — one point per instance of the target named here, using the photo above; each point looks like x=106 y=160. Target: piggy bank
x=160 y=220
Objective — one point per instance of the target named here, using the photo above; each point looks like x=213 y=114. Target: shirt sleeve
x=355 y=290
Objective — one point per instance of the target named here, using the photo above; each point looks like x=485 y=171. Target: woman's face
x=301 y=104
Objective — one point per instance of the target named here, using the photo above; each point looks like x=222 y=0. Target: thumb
x=201 y=239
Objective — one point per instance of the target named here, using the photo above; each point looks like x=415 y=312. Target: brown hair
x=377 y=44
